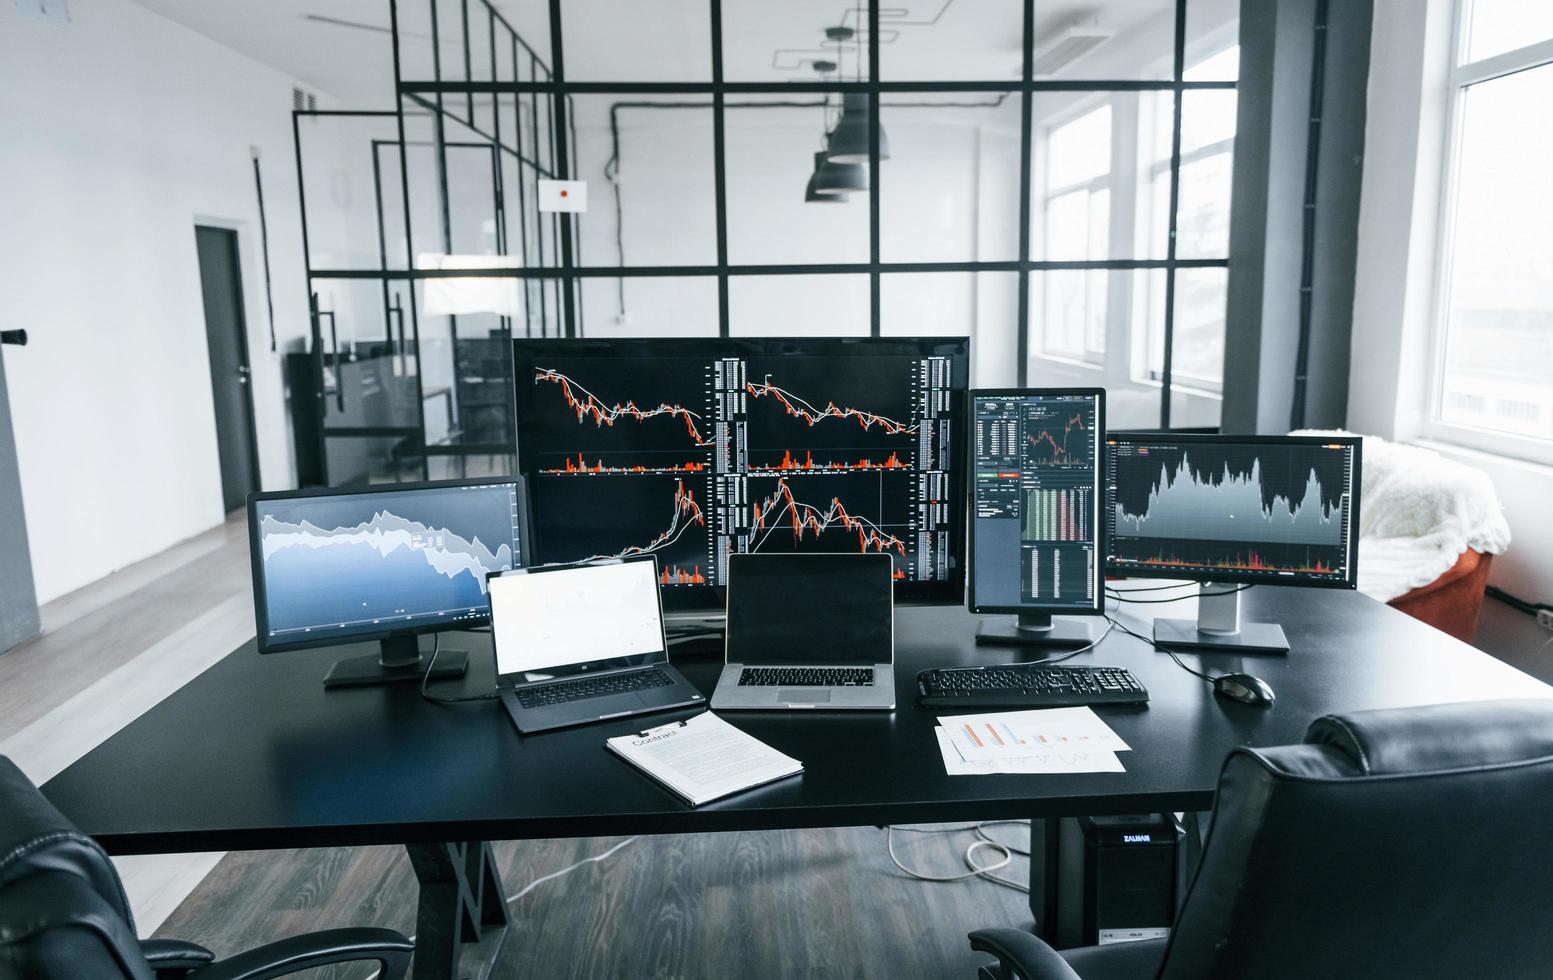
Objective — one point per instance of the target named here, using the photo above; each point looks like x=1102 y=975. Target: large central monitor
x=1232 y=510
x=694 y=450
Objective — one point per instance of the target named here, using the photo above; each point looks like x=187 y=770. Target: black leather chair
x=63 y=914
x=1400 y=843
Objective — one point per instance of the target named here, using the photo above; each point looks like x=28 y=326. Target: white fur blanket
x=1418 y=511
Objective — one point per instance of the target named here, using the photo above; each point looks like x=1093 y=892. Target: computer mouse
x=1243 y=688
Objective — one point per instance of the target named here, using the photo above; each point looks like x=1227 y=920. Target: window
x=1077 y=228
x=1026 y=175
x=1202 y=223
x=1493 y=384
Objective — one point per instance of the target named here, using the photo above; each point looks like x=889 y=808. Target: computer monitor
x=382 y=563
x=1035 y=512
x=1229 y=511
x=695 y=450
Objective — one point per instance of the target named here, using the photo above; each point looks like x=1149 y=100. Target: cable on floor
x=1515 y=601
x=983 y=841
x=512 y=899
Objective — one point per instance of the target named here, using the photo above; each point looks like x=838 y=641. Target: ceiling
x=342 y=47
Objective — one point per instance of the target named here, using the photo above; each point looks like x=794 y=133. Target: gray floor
x=814 y=903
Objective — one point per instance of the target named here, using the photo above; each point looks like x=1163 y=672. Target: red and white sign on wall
x=563 y=195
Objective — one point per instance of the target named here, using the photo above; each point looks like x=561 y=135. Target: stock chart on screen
x=693 y=450
x=343 y=564
x=1036 y=487
x=1221 y=509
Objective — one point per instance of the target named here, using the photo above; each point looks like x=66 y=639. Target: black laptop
x=580 y=643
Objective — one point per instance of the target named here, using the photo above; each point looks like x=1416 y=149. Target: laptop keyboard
x=543 y=695
x=806 y=677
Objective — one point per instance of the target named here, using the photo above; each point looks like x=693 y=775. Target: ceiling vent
x=1068 y=47
x=301 y=100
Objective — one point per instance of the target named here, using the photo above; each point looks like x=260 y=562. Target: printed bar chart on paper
x=1014 y=734
x=1067 y=761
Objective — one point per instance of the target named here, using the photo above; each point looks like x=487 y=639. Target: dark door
x=226 y=333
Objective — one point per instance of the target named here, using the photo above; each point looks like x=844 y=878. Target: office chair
x=64 y=916
x=1396 y=843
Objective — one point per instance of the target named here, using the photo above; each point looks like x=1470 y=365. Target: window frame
x=1461 y=76
x=1104 y=181
x=567 y=268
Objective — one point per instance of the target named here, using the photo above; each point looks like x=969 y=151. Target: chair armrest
x=278 y=959
x=172 y=958
x=1023 y=953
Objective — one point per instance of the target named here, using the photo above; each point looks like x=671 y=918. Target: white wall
x=1399 y=218
x=121 y=130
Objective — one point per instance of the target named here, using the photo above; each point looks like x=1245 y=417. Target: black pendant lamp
x=848 y=142
x=831 y=177
x=812 y=193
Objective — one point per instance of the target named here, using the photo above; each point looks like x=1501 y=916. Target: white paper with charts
x=1049 y=763
x=1040 y=740
x=1012 y=734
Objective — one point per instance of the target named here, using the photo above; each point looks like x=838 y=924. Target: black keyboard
x=806 y=677
x=1034 y=686
x=542 y=695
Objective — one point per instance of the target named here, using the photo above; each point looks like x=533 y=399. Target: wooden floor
x=816 y=903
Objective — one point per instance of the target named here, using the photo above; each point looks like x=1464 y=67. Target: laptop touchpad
x=803 y=696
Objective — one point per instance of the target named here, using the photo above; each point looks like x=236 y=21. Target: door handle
x=17 y=337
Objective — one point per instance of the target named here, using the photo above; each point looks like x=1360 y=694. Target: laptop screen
x=557 y=617
x=820 y=609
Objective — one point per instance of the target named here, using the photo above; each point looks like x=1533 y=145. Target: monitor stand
x=1036 y=630
x=1218 y=625
x=398 y=659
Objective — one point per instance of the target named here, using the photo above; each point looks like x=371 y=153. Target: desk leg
x=461 y=916
x=1043 y=876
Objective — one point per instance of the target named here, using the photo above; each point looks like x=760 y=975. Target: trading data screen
x=1217 y=508
x=1036 y=489
x=695 y=450
x=333 y=567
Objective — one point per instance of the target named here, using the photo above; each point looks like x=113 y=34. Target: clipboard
x=703 y=758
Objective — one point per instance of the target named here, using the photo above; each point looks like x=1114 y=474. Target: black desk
x=254 y=753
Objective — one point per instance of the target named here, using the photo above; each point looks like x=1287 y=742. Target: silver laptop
x=811 y=631
x=581 y=643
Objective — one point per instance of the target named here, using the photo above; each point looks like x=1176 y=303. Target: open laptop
x=581 y=643
x=809 y=631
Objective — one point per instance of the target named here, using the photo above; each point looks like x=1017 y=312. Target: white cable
x=567 y=870
x=982 y=833
x=539 y=881
x=976 y=871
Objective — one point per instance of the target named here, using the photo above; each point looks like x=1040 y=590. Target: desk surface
x=254 y=753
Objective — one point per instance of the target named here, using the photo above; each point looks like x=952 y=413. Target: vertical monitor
x=696 y=450
x=1036 y=475
x=341 y=565
x=1275 y=509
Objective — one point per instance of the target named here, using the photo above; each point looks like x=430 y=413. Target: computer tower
x=1117 y=878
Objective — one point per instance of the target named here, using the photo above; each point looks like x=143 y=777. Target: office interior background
x=255 y=246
